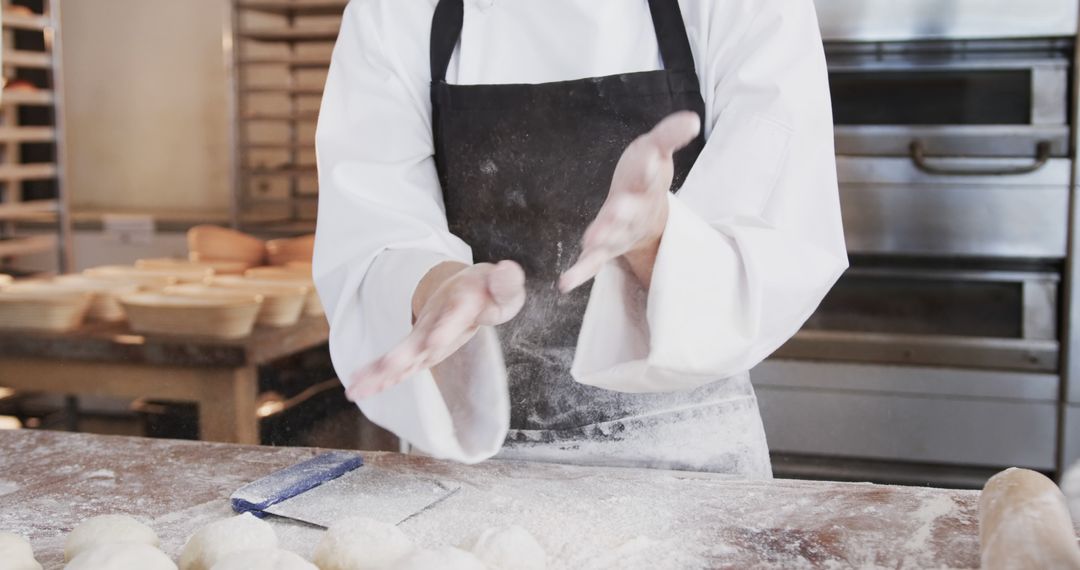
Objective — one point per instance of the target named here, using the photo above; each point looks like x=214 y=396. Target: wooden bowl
x=216 y=267
x=43 y=307
x=213 y=243
x=107 y=292
x=283 y=302
x=226 y=317
x=313 y=306
x=206 y=291
x=151 y=275
x=281 y=306
x=298 y=249
x=129 y=275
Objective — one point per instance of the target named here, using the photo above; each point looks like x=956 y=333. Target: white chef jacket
x=752 y=244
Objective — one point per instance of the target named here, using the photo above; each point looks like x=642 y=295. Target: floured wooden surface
x=584 y=517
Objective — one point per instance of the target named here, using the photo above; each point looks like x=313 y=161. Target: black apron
x=524 y=170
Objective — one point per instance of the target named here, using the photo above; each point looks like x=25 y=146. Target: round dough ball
x=446 y=558
x=263 y=560
x=105 y=529
x=16 y=553
x=1025 y=523
x=510 y=548
x=220 y=538
x=361 y=544
x=121 y=556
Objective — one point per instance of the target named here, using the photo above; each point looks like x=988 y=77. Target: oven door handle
x=918 y=157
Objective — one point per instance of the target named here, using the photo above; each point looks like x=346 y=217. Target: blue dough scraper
x=336 y=485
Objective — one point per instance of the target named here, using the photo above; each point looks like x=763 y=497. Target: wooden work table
x=99 y=359
x=584 y=517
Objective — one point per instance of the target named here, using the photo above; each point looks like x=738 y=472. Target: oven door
x=956 y=100
x=891 y=207
x=975 y=319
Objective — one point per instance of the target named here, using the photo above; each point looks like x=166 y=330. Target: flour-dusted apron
x=524 y=169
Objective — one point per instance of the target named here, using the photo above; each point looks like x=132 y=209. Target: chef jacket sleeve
x=381 y=227
x=753 y=241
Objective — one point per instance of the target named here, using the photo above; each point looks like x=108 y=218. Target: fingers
x=391 y=369
x=436 y=335
x=506 y=289
x=609 y=236
x=675 y=131
x=506 y=282
x=457 y=321
x=587 y=266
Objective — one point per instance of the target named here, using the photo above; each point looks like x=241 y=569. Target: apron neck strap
x=667 y=21
x=445 y=32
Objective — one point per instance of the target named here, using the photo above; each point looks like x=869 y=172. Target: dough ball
x=263 y=560
x=510 y=548
x=220 y=538
x=105 y=529
x=1024 y=523
x=16 y=553
x=361 y=544
x=121 y=556
x=446 y=558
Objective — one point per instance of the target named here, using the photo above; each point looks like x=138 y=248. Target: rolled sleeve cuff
x=627 y=342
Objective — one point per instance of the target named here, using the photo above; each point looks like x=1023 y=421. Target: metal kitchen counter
x=584 y=517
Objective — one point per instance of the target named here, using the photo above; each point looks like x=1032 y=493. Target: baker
x=481 y=161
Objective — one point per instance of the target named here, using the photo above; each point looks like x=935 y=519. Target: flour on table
x=445 y=558
x=8 y=487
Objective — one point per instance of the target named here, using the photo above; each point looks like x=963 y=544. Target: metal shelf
x=17 y=211
x=278 y=146
x=290 y=35
x=28 y=210
x=256 y=201
x=290 y=47
x=15 y=247
x=27 y=97
x=290 y=7
x=264 y=89
x=27 y=134
x=293 y=61
x=285 y=117
x=293 y=171
x=28 y=59
x=25 y=22
x=18 y=172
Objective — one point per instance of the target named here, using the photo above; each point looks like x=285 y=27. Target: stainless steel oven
x=941 y=346
x=994 y=320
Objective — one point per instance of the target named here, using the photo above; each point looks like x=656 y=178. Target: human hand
x=479 y=295
x=633 y=217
